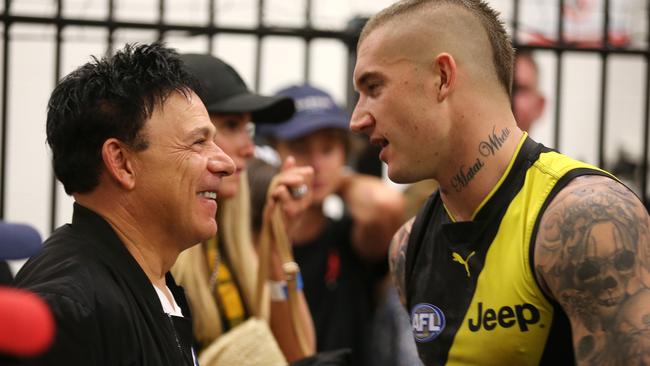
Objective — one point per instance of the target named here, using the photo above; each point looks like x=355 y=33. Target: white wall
x=32 y=76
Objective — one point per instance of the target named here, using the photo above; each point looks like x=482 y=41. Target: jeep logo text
x=507 y=316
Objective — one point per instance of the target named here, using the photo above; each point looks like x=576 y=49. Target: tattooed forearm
x=592 y=252
x=397 y=258
x=486 y=148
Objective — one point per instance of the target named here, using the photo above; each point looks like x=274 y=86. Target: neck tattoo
x=486 y=148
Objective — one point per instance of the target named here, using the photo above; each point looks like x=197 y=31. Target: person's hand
x=292 y=190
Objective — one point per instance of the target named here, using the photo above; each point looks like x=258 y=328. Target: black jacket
x=106 y=309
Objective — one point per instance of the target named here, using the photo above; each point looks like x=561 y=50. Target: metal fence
x=605 y=49
x=306 y=33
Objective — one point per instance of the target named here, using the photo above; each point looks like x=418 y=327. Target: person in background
x=219 y=275
x=26 y=324
x=134 y=146
x=528 y=102
x=260 y=174
x=343 y=260
x=18 y=241
x=524 y=256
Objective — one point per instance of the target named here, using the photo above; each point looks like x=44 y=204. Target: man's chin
x=400 y=177
x=208 y=232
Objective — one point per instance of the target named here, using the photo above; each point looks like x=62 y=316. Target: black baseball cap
x=222 y=90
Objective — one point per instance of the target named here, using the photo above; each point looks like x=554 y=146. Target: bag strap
x=273 y=230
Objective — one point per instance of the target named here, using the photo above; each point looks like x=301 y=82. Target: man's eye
x=373 y=88
x=200 y=141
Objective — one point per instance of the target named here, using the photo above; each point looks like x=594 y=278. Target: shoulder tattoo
x=593 y=253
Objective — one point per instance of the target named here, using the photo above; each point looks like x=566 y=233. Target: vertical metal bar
x=353 y=29
x=5 y=107
x=515 y=21
x=57 y=75
x=161 y=19
x=258 y=47
x=604 y=56
x=646 y=130
x=515 y=42
x=646 y=116
x=211 y=19
x=308 y=39
x=558 y=76
x=110 y=39
x=351 y=95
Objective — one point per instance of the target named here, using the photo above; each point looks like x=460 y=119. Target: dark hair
x=107 y=98
x=502 y=51
x=260 y=175
x=341 y=135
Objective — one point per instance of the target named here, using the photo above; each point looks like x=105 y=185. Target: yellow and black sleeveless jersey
x=470 y=288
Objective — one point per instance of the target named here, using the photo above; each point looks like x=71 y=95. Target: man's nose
x=220 y=163
x=361 y=120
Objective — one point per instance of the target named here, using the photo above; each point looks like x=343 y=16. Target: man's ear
x=540 y=104
x=446 y=66
x=117 y=160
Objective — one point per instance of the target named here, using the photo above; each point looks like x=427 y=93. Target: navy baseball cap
x=315 y=110
x=222 y=90
x=18 y=241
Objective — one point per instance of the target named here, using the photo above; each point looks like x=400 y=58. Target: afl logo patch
x=428 y=321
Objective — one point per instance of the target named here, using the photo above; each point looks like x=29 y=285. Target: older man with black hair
x=133 y=144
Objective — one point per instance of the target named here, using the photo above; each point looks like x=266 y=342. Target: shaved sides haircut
x=502 y=51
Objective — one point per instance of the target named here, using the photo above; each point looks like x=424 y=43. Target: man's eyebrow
x=198 y=132
x=364 y=78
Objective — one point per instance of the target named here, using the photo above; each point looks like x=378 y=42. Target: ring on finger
x=299 y=192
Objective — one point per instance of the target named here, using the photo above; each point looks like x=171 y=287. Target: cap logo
x=313 y=102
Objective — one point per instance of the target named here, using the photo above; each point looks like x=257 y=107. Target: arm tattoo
x=593 y=252
x=397 y=258
x=486 y=148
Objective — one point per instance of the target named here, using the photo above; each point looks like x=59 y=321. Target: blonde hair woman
x=220 y=275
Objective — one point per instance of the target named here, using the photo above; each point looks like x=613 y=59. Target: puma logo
x=465 y=262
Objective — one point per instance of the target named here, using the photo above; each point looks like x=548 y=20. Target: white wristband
x=278 y=290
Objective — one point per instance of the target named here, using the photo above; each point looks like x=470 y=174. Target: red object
x=333 y=266
x=26 y=323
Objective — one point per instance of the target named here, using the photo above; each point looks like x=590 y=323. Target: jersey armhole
x=415 y=242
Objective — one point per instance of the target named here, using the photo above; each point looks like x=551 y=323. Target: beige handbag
x=252 y=343
x=249 y=344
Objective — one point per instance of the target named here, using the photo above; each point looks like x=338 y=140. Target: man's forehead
x=379 y=51
x=373 y=51
x=379 y=36
x=180 y=108
x=172 y=101
x=185 y=102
